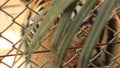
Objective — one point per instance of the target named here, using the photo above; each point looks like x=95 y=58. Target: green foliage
x=66 y=7
x=73 y=29
x=45 y=24
x=95 y=32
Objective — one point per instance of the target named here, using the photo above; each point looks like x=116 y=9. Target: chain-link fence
x=13 y=16
x=10 y=33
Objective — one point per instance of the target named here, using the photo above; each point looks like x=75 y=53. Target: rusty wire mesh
x=12 y=18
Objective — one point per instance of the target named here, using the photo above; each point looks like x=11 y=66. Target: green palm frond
x=66 y=7
x=95 y=32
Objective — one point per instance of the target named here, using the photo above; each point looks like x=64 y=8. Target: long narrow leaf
x=73 y=29
x=27 y=32
x=45 y=24
x=95 y=32
x=61 y=25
